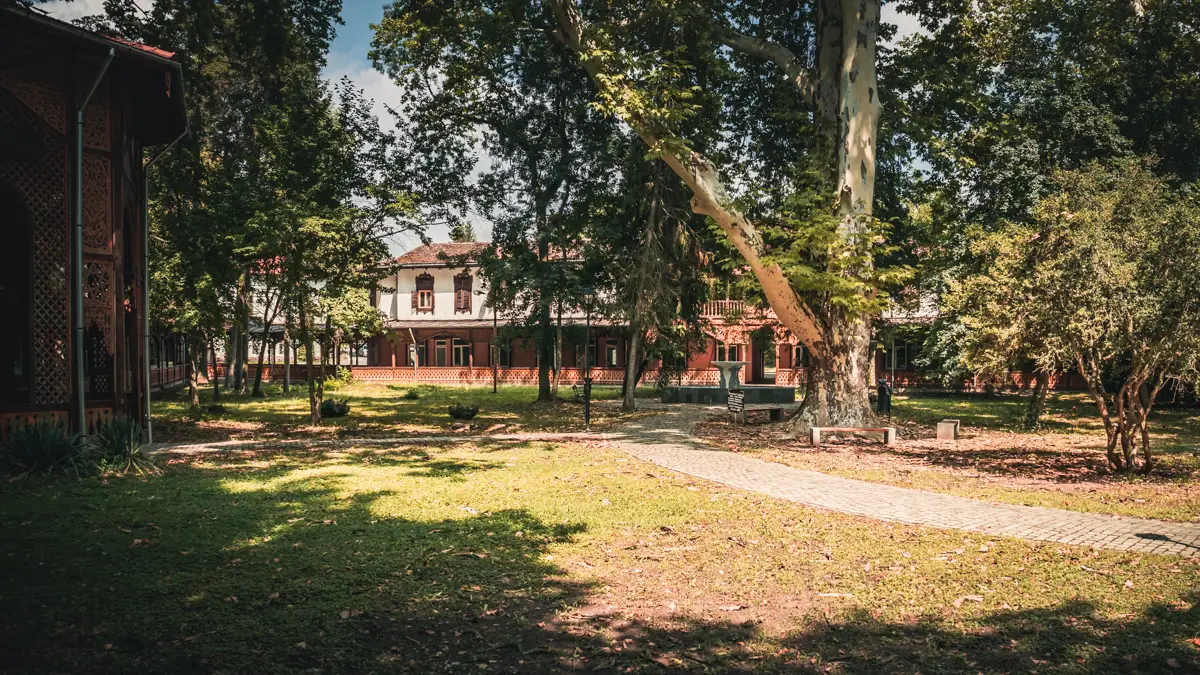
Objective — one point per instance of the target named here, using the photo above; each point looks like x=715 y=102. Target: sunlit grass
x=376 y=409
x=540 y=558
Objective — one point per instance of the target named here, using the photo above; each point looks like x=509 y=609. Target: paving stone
x=666 y=440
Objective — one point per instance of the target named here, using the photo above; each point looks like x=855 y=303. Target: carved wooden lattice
x=97 y=204
x=44 y=186
x=98 y=343
x=36 y=85
x=98 y=299
x=96 y=118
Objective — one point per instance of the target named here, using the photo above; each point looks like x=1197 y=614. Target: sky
x=348 y=58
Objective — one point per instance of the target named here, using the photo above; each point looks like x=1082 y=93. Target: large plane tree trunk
x=844 y=92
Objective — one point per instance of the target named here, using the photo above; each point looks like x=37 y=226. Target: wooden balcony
x=714 y=308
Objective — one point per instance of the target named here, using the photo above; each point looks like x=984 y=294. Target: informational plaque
x=737 y=400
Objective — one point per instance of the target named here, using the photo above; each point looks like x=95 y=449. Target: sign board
x=737 y=400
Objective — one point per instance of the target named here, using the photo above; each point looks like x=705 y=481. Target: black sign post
x=737 y=405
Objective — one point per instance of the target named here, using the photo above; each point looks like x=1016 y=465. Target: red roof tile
x=436 y=254
x=141 y=47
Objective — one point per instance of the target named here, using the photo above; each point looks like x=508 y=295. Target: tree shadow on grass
x=244 y=569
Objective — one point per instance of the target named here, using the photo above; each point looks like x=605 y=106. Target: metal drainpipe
x=146 y=419
x=78 y=404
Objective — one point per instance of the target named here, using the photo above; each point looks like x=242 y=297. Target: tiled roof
x=161 y=53
x=436 y=254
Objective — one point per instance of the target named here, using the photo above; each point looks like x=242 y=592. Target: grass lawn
x=541 y=558
x=1062 y=466
x=376 y=409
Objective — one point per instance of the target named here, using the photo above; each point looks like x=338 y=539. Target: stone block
x=947 y=430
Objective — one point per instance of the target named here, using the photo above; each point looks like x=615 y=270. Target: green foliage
x=342 y=379
x=1103 y=282
x=411 y=395
x=45 y=447
x=118 y=445
x=462 y=412
x=332 y=407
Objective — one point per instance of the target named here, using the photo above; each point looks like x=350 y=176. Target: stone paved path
x=666 y=440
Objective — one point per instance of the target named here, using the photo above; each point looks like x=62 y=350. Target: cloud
x=906 y=24
x=70 y=10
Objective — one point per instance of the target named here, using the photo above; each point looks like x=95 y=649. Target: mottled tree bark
x=844 y=91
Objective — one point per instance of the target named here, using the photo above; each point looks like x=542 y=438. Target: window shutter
x=415 y=295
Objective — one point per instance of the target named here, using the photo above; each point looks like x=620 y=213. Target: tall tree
x=484 y=80
x=815 y=263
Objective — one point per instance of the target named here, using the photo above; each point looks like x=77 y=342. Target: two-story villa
x=440 y=329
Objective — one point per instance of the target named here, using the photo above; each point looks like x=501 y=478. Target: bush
x=343 y=378
x=461 y=412
x=118 y=443
x=411 y=395
x=331 y=407
x=46 y=447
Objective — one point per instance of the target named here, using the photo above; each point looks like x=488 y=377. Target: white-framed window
x=898 y=358
x=424 y=299
x=462 y=353
x=728 y=352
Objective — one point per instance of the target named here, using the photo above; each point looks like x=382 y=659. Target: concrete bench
x=889 y=433
x=773 y=409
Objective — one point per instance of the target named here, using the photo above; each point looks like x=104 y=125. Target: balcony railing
x=724 y=307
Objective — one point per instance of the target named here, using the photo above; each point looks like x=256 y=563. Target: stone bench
x=889 y=433
x=775 y=410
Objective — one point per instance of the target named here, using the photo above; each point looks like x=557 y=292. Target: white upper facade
x=400 y=299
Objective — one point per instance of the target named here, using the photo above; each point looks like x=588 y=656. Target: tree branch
x=793 y=68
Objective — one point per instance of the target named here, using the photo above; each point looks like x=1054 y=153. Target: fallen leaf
x=141 y=542
x=273 y=596
x=1172 y=663
x=1128 y=583
x=731 y=608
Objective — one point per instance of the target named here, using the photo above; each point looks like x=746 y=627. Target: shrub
x=331 y=407
x=411 y=395
x=118 y=443
x=46 y=447
x=344 y=377
x=461 y=412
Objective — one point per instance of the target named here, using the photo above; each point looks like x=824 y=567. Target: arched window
x=462 y=292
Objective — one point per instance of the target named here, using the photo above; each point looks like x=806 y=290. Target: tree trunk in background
x=228 y=342
x=216 y=380
x=287 y=345
x=314 y=410
x=558 y=343
x=326 y=342
x=1037 y=402
x=192 y=357
x=270 y=310
x=632 y=361
x=545 y=341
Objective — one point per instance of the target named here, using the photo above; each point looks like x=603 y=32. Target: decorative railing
x=723 y=307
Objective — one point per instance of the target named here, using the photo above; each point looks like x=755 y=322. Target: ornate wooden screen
x=33 y=100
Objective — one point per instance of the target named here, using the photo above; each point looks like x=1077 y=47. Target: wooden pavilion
x=77 y=112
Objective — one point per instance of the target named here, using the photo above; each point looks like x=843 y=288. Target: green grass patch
x=376 y=409
x=537 y=558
